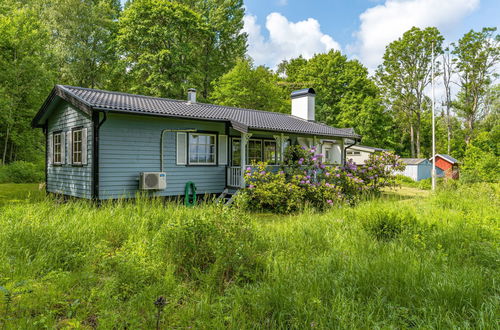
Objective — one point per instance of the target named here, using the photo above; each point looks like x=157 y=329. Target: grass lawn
x=19 y=192
x=408 y=259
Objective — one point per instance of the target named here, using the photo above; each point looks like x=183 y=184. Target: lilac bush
x=305 y=180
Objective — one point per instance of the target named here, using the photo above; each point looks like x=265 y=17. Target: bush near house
x=306 y=181
x=22 y=172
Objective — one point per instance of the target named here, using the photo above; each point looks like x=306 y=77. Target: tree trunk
x=5 y=145
x=449 y=139
x=412 y=141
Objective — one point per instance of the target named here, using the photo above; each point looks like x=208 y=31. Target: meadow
x=408 y=259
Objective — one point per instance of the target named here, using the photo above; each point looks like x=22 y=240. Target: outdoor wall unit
x=153 y=181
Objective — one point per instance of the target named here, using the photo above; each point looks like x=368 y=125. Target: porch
x=250 y=148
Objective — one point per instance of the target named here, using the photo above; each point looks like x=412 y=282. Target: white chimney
x=192 y=95
x=303 y=103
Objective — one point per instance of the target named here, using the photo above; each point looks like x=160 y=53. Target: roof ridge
x=169 y=99
x=203 y=104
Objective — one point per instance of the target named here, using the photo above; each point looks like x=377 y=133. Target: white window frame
x=77 y=143
x=214 y=153
x=55 y=151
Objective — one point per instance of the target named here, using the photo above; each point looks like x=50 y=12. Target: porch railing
x=234 y=176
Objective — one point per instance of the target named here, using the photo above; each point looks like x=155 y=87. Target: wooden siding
x=67 y=179
x=130 y=144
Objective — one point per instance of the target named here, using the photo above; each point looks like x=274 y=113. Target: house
x=360 y=154
x=446 y=166
x=417 y=168
x=105 y=145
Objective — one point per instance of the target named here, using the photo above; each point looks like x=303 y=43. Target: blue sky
x=280 y=29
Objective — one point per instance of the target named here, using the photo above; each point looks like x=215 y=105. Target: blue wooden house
x=105 y=145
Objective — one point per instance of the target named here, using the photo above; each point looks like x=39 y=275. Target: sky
x=283 y=29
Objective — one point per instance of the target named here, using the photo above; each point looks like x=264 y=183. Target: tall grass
x=428 y=262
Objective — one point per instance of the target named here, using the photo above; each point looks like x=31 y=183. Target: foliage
x=426 y=262
x=405 y=74
x=480 y=165
x=304 y=180
x=248 y=87
x=345 y=94
x=217 y=245
x=22 y=172
x=160 y=40
x=477 y=54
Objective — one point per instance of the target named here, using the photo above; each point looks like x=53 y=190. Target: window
x=57 y=148
x=254 y=151
x=270 y=152
x=76 y=154
x=202 y=149
x=257 y=150
x=353 y=153
x=236 y=152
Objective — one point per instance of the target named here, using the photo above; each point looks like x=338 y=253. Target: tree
x=25 y=79
x=83 y=39
x=447 y=103
x=345 y=95
x=160 y=40
x=405 y=74
x=477 y=54
x=223 y=43
x=248 y=87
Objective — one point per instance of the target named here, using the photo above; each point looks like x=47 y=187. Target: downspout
x=345 y=150
x=163 y=131
x=95 y=150
x=46 y=133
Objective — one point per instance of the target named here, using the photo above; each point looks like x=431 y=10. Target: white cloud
x=286 y=39
x=385 y=23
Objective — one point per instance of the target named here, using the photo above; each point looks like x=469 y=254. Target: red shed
x=446 y=166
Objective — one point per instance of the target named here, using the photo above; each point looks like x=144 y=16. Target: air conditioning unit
x=152 y=181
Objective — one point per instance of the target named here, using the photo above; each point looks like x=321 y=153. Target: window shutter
x=181 y=148
x=50 y=147
x=63 y=148
x=222 y=149
x=69 y=143
x=84 y=146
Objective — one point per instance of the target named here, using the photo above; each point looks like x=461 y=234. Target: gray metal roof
x=413 y=161
x=240 y=119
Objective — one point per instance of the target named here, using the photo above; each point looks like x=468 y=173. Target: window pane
x=270 y=152
x=236 y=153
x=201 y=150
x=255 y=151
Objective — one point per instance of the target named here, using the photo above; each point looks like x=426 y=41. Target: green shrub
x=480 y=166
x=386 y=224
x=215 y=243
x=22 y=172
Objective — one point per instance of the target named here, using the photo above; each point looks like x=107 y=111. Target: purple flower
x=327 y=173
x=249 y=174
x=314 y=159
x=371 y=178
x=251 y=186
x=322 y=166
x=302 y=182
x=301 y=161
x=370 y=168
x=337 y=175
x=249 y=168
x=263 y=172
x=329 y=201
x=308 y=176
